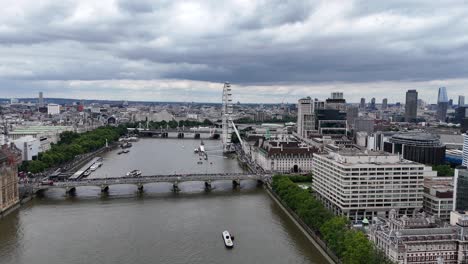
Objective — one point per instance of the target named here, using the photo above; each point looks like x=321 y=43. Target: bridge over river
x=140 y=181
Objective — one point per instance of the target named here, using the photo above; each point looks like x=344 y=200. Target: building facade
x=362 y=185
x=305 y=117
x=417 y=146
x=460 y=189
x=53 y=109
x=465 y=150
x=420 y=240
x=438 y=197
x=411 y=106
x=442 y=104
x=9 y=194
x=285 y=156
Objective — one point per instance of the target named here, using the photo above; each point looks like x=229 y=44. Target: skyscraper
x=384 y=103
x=411 y=106
x=461 y=100
x=442 y=104
x=372 y=103
x=362 y=105
x=40 y=100
x=305 y=118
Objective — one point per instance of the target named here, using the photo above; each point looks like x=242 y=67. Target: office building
x=337 y=95
x=419 y=147
x=420 y=239
x=465 y=150
x=411 y=106
x=460 y=189
x=362 y=105
x=360 y=185
x=461 y=100
x=331 y=122
x=336 y=102
x=438 y=197
x=10 y=157
x=305 y=117
x=283 y=156
x=53 y=109
x=352 y=114
x=384 y=104
x=40 y=100
x=442 y=104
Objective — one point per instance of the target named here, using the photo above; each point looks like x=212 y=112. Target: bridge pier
x=197 y=135
x=104 y=188
x=140 y=187
x=70 y=190
x=235 y=183
x=208 y=186
x=175 y=187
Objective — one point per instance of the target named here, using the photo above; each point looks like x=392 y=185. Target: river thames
x=157 y=226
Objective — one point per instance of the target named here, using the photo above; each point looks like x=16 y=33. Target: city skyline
x=269 y=51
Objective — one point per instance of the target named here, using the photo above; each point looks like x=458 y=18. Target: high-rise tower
x=442 y=104
x=411 y=106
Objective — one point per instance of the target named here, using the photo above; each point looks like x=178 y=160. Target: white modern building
x=465 y=150
x=29 y=147
x=362 y=185
x=53 y=109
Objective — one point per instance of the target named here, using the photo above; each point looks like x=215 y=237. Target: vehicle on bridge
x=134 y=173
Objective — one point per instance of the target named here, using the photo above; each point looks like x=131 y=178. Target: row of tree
x=171 y=124
x=72 y=144
x=351 y=246
x=443 y=170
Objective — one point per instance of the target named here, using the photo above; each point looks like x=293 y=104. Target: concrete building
x=411 y=106
x=283 y=156
x=420 y=240
x=305 y=117
x=438 y=197
x=420 y=147
x=29 y=147
x=53 y=109
x=336 y=102
x=352 y=114
x=442 y=104
x=9 y=195
x=364 y=124
x=362 y=185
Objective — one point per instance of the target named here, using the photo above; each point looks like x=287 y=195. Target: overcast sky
x=270 y=50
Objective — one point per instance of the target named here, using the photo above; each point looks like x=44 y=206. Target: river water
x=156 y=226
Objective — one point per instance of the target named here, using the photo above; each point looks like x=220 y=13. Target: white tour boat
x=227 y=239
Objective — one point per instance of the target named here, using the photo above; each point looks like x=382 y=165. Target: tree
x=357 y=248
x=443 y=170
x=334 y=232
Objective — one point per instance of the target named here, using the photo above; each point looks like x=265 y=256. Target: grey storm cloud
x=278 y=44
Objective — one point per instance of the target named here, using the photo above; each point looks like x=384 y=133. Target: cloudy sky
x=270 y=50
